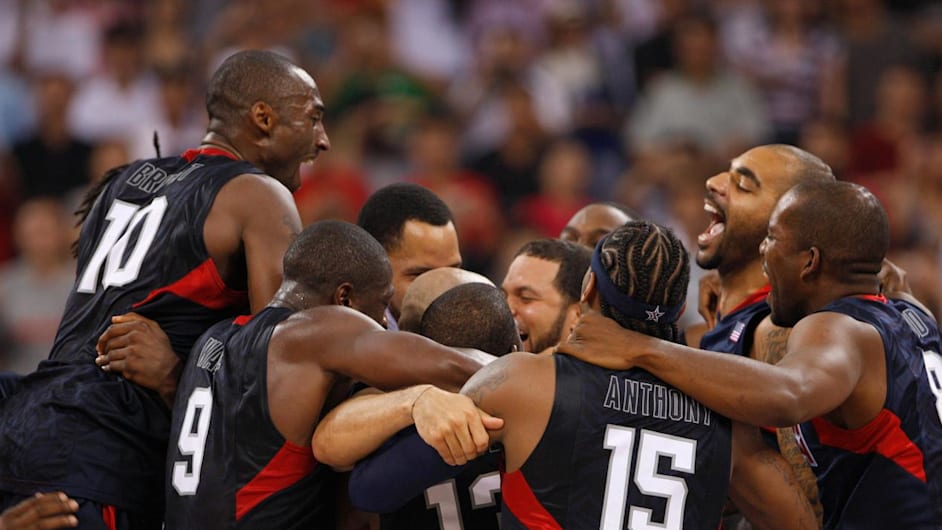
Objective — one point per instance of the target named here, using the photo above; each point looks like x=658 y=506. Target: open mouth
x=717 y=224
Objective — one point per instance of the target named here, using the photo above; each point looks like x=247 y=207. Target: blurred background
x=516 y=112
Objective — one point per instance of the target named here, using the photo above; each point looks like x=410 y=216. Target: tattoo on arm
x=489 y=379
x=776 y=344
x=807 y=482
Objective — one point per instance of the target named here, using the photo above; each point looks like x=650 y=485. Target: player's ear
x=342 y=294
x=812 y=262
x=262 y=116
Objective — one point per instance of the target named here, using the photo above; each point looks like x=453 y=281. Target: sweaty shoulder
x=320 y=326
x=248 y=230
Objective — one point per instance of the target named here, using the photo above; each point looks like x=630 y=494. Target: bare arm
x=350 y=344
x=763 y=485
x=247 y=231
x=822 y=366
x=254 y=216
x=359 y=426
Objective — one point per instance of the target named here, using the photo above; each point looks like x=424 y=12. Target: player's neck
x=217 y=141
x=738 y=285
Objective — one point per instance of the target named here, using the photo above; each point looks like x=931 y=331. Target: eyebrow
x=748 y=173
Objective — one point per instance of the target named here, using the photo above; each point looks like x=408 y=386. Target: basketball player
x=542 y=287
x=859 y=373
x=594 y=221
x=418 y=232
x=471 y=315
x=254 y=387
x=427 y=287
x=187 y=241
x=739 y=201
x=587 y=447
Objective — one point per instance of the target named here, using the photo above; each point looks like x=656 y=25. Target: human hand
x=599 y=340
x=893 y=279
x=453 y=425
x=42 y=511
x=708 y=302
x=136 y=348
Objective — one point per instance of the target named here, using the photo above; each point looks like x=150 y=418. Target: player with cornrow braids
x=654 y=271
x=589 y=448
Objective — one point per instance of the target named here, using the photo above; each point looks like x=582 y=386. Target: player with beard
x=542 y=286
x=860 y=374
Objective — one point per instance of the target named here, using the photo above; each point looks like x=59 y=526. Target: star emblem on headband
x=655 y=316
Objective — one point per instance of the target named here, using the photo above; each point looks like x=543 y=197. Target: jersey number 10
x=123 y=218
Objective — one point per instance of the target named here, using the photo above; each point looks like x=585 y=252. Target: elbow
x=324 y=453
x=787 y=408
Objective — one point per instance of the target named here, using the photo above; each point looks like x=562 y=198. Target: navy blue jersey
x=888 y=473
x=733 y=333
x=620 y=450
x=75 y=428
x=227 y=464
x=470 y=501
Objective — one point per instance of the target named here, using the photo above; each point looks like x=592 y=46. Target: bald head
x=843 y=220
x=251 y=76
x=802 y=166
x=427 y=287
x=594 y=221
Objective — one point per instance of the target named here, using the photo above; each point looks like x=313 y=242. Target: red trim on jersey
x=110 y=516
x=521 y=502
x=289 y=465
x=881 y=435
x=873 y=297
x=202 y=286
x=242 y=320
x=756 y=296
x=191 y=154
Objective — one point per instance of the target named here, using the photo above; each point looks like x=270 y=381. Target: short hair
x=573 y=259
x=648 y=263
x=471 y=315
x=629 y=212
x=246 y=77
x=844 y=220
x=386 y=212
x=328 y=253
x=809 y=168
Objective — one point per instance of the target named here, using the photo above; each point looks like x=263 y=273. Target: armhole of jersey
x=198 y=241
x=568 y=394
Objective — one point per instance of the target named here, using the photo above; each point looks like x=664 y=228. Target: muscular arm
x=763 y=486
x=348 y=343
x=357 y=427
x=248 y=229
x=254 y=216
x=821 y=367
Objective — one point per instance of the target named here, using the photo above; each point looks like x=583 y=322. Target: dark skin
x=321 y=346
x=43 y=511
x=821 y=373
x=246 y=239
x=520 y=389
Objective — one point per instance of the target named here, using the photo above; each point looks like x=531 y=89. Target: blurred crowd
x=515 y=112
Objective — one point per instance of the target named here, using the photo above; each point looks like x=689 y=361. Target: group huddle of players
x=218 y=367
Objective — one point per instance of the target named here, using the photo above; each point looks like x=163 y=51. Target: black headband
x=625 y=304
